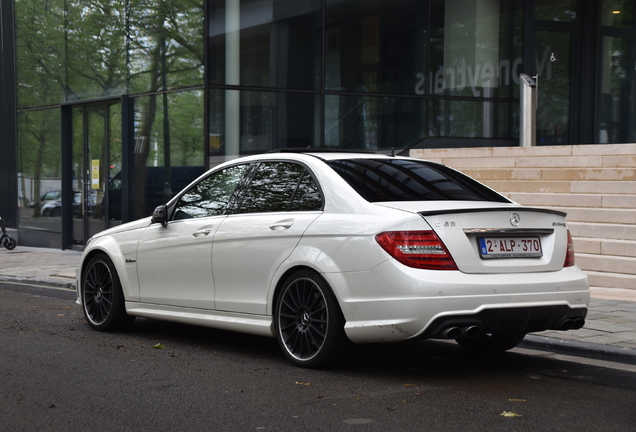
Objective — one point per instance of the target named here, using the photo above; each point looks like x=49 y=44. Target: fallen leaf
x=510 y=414
x=159 y=346
x=408 y=385
x=299 y=383
x=517 y=400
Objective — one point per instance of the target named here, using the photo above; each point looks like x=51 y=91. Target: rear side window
x=281 y=187
x=380 y=180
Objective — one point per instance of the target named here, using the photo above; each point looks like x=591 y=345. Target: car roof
x=331 y=154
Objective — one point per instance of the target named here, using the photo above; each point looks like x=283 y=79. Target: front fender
x=123 y=253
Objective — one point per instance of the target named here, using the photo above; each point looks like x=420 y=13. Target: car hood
x=141 y=223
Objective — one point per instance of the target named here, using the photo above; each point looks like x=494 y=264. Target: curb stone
x=39 y=281
x=580 y=349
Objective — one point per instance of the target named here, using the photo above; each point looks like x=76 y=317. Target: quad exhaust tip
x=572 y=324
x=464 y=332
x=471 y=331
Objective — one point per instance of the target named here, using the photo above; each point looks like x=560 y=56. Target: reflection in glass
x=553 y=105
x=40 y=171
x=555 y=10
x=475 y=49
x=168 y=154
x=265 y=43
x=40 y=62
x=166 y=44
x=307 y=196
x=96 y=186
x=263 y=121
x=272 y=188
x=114 y=165
x=376 y=46
x=211 y=196
x=373 y=122
x=408 y=180
x=616 y=97
x=468 y=119
x=71 y=50
x=617 y=13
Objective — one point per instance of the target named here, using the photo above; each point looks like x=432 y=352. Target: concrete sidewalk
x=609 y=332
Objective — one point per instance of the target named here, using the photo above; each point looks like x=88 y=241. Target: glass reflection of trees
x=211 y=196
x=280 y=187
x=69 y=50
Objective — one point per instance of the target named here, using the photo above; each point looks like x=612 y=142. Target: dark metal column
x=8 y=137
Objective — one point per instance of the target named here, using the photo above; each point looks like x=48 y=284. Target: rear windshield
x=380 y=180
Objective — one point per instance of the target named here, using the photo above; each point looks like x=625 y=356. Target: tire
x=10 y=243
x=46 y=213
x=308 y=320
x=491 y=343
x=56 y=212
x=102 y=296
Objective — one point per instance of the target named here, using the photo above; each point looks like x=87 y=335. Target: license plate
x=507 y=247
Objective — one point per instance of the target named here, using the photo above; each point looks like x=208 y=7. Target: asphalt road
x=58 y=374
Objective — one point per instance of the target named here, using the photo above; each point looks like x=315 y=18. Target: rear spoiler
x=492 y=209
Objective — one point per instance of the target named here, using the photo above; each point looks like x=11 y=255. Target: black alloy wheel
x=102 y=296
x=309 y=323
x=491 y=343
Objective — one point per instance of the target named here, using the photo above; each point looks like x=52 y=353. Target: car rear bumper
x=423 y=304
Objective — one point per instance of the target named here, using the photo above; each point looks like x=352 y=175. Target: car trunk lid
x=485 y=237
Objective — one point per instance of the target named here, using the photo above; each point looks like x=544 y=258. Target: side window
x=307 y=197
x=280 y=187
x=211 y=195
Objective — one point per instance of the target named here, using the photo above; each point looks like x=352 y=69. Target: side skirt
x=260 y=325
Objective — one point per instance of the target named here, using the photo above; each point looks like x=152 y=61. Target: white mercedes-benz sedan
x=321 y=249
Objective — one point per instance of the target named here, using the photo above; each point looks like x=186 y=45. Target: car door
x=280 y=202
x=174 y=260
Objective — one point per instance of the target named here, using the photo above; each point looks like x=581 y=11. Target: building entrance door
x=554 y=71
x=96 y=166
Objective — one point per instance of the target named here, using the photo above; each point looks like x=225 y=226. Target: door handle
x=202 y=232
x=284 y=224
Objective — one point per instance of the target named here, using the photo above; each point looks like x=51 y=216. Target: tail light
x=418 y=249
x=569 y=256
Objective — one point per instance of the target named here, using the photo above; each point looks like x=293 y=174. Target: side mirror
x=160 y=215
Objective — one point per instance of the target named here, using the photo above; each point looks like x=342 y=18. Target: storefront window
x=617 y=13
x=40 y=176
x=555 y=10
x=248 y=122
x=165 y=44
x=265 y=43
x=373 y=123
x=475 y=48
x=40 y=60
x=615 y=113
x=377 y=46
x=553 y=95
x=168 y=147
x=70 y=50
x=473 y=119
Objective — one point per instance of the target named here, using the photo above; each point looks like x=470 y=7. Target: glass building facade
x=108 y=108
